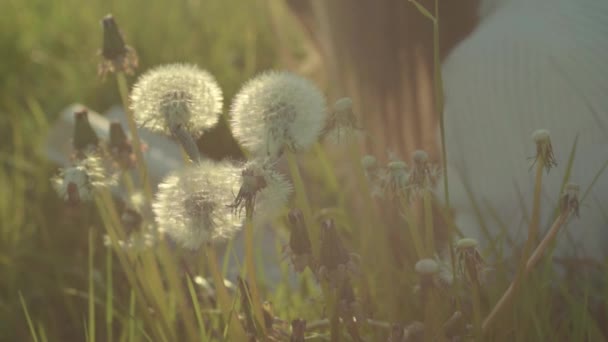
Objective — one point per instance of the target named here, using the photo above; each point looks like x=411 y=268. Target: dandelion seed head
x=427 y=267
x=465 y=243
x=368 y=162
x=420 y=156
x=343 y=104
x=191 y=204
x=276 y=110
x=77 y=182
x=540 y=135
x=397 y=166
x=177 y=95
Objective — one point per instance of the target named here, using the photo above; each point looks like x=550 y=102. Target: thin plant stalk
x=109 y=295
x=251 y=274
x=302 y=201
x=532 y=235
x=413 y=227
x=477 y=320
x=428 y=220
x=91 y=294
x=139 y=156
x=223 y=298
x=547 y=240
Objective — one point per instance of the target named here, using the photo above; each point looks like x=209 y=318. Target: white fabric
x=530 y=64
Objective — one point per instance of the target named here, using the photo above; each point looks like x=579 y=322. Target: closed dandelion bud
x=544 y=149
x=298 y=328
x=180 y=100
x=275 y=110
x=569 y=201
x=190 y=205
x=76 y=183
x=120 y=147
x=334 y=261
x=299 y=249
x=84 y=139
x=262 y=192
x=342 y=124
x=117 y=56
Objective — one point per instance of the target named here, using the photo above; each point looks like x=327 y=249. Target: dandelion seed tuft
x=177 y=97
x=466 y=243
x=77 y=183
x=427 y=267
x=190 y=206
x=275 y=110
x=342 y=124
x=544 y=149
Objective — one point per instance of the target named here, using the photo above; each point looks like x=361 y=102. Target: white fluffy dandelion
x=177 y=96
x=277 y=109
x=76 y=183
x=192 y=204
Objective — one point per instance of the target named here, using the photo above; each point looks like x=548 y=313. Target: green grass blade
x=27 y=317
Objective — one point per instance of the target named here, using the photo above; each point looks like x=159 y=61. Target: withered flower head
x=569 y=199
x=544 y=149
x=335 y=261
x=470 y=261
x=299 y=249
x=262 y=190
x=117 y=55
x=423 y=175
x=84 y=139
x=120 y=147
x=342 y=126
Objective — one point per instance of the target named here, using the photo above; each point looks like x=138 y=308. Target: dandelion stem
x=141 y=165
x=223 y=298
x=532 y=235
x=187 y=142
x=302 y=201
x=428 y=219
x=251 y=276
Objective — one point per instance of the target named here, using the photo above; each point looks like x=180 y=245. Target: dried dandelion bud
x=298 y=328
x=120 y=147
x=395 y=179
x=84 y=139
x=275 y=110
x=569 y=201
x=117 y=56
x=342 y=123
x=335 y=262
x=423 y=175
x=470 y=261
x=369 y=162
x=544 y=149
x=190 y=205
x=262 y=191
x=76 y=184
x=180 y=100
x=299 y=249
